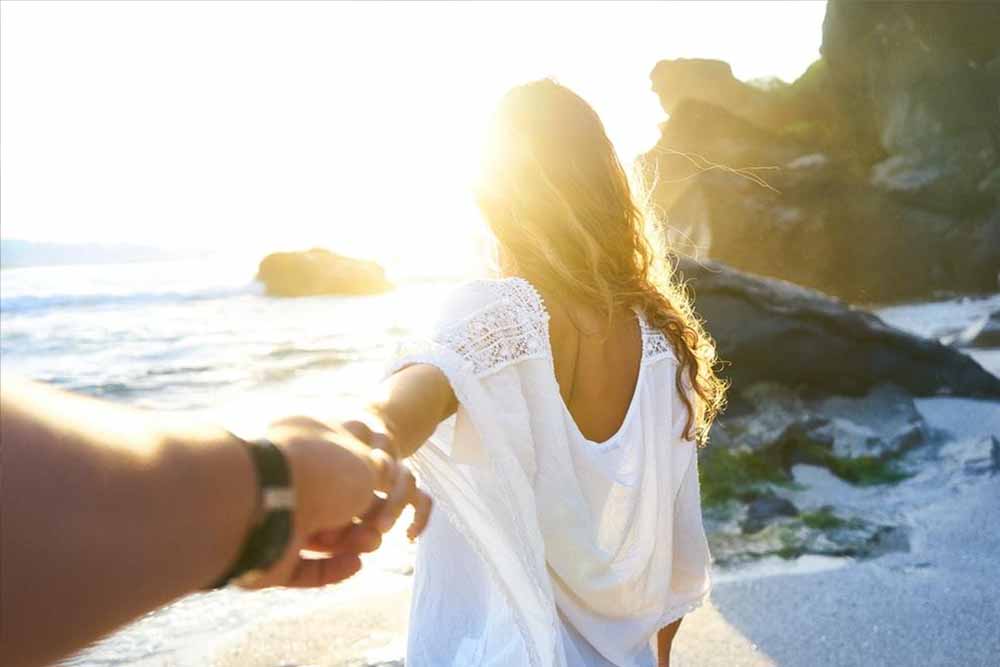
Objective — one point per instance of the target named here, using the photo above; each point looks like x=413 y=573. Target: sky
x=260 y=126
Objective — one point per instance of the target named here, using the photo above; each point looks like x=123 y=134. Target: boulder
x=320 y=272
x=772 y=331
x=821 y=533
x=765 y=509
x=780 y=424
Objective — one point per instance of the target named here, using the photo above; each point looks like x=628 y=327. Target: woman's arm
x=664 y=640
x=406 y=409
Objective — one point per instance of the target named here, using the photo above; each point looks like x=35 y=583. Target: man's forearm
x=102 y=466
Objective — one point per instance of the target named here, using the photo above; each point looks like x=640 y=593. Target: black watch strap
x=276 y=500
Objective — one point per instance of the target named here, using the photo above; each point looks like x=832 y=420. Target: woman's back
x=596 y=365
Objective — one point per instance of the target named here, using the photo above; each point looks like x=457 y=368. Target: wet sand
x=356 y=627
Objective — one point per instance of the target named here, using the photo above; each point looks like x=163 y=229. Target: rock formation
x=874 y=177
x=772 y=331
x=319 y=272
x=813 y=381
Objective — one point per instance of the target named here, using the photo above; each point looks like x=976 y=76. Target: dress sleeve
x=473 y=471
x=483 y=327
x=690 y=579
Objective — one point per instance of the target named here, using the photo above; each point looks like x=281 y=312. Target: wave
x=19 y=305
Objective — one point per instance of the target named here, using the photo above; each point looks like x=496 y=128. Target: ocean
x=199 y=337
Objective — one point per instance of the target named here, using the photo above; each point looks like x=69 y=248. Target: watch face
x=278 y=498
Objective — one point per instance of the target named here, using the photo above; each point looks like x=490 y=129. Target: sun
x=254 y=127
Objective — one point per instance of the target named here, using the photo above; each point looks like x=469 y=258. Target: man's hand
x=337 y=514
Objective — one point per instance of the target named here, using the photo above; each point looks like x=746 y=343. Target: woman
x=568 y=527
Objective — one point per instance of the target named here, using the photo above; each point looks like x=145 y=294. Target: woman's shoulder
x=655 y=344
x=493 y=323
x=508 y=297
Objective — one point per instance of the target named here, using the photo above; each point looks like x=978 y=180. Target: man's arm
x=107 y=513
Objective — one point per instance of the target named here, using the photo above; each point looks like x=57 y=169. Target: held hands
x=336 y=471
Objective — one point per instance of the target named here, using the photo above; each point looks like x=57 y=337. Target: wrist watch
x=272 y=530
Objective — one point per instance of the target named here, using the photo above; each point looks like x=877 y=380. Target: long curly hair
x=565 y=215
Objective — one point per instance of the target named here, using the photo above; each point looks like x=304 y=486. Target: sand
x=936 y=604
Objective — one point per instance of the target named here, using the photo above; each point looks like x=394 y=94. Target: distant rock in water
x=882 y=162
x=320 y=272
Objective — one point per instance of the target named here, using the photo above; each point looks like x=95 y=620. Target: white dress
x=546 y=549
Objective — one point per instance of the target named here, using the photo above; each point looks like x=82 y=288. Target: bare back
x=596 y=365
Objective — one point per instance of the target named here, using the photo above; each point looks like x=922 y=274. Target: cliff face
x=874 y=177
x=923 y=80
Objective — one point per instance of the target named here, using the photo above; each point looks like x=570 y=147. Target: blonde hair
x=562 y=210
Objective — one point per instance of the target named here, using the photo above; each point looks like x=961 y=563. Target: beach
x=934 y=604
x=146 y=336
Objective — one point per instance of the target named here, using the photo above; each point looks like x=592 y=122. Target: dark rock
x=820 y=225
x=874 y=177
x=765 y=508
x=790 y=537
x=923 y=79
x=815 y=381
x=885 y=540
x=320 y=272
x=772 y=331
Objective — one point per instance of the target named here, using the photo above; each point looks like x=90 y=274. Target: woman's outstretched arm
x=406 y=409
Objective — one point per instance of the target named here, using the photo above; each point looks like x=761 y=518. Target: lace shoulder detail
x=655 y=345
x=508 y=324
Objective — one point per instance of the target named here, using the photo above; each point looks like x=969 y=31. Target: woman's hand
x=373 y=433
x=338 y=516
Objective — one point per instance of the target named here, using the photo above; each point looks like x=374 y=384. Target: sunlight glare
x=262 y=126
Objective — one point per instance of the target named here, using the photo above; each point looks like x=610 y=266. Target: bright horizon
x=255 y=127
